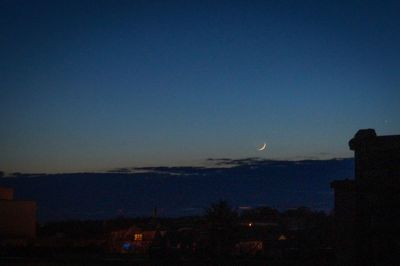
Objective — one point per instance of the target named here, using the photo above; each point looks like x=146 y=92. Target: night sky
x=95 y=85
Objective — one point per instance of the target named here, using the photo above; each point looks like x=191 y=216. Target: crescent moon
x=263 y=147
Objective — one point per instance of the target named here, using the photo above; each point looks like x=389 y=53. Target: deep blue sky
x=93 y=85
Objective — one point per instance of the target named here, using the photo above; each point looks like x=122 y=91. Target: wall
x=17 y=219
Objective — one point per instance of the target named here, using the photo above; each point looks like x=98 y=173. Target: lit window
x=138 y=237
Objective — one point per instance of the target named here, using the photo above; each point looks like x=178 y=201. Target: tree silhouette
x=221 y=220
x=220 y=214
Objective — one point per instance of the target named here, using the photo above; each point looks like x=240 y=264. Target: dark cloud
x=181 y=190
x=235 y=162
x=217 y=165
x=121 y=170
x=166 y=169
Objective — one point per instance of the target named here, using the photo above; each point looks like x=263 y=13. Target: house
x=133 y=240
x=17 y=219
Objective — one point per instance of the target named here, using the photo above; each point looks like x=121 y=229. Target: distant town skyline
x=97 y=85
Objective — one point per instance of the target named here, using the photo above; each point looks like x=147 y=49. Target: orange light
x=138 y=237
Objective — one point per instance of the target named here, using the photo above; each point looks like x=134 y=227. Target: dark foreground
x=11 y=261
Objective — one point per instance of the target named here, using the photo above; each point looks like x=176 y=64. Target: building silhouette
x=367 y=209
x=17 y=219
